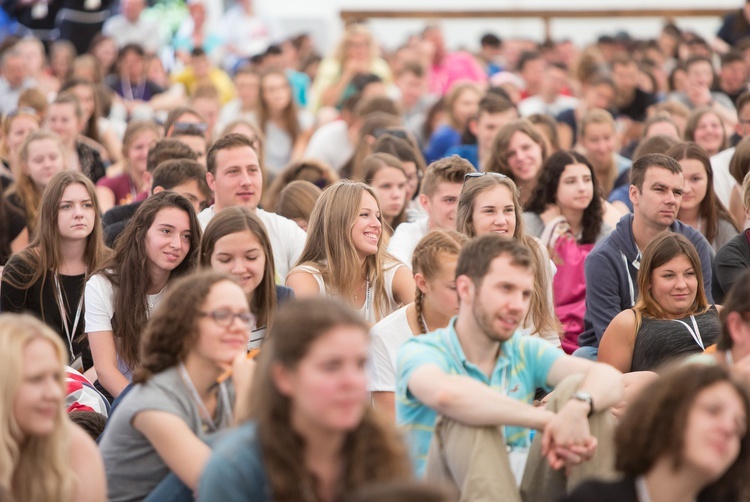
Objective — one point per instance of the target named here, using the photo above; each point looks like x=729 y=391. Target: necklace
x=209 y=424
x=356 y=293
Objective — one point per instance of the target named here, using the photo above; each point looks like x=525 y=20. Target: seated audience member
x=435 y=302
x=131 y=185
x=734 y=258
x=598 y=141
x=235 y=177
x=597 y=92
x=247 y=84
x=441 y=187
x=700 y=208
x=48 y=278
x=656 y=186
x=705 y=128
x=671 y=318
x=551 y=99
x=631 y=101
x=17 y=126
x=236 y=243
x=65 y=118
x=493 y=113
x=47 y=457
x=658 y=124
x=684 y=438
x=193 y=136
x=461 y=104
x=724 y=185
x=130 y=82
x=131 y=27
x=159 y=244
x=91 y=422
x=402 y=145
x=489 y=204
x=445 y=68
x=739 y=166
x=314 y=171
x=464 y=392
x=410 y=84
x=198 y=71
x=297 y=201
x=162 y=424
x=700 y=79
x=297 y=441
x=345 y=255
x=40 y=158
x=566 y=213
x=371 y=126
x=387 y=177
x=14 y=236
x=518 y=152
x=547 y=127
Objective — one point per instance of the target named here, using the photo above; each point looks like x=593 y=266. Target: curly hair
x=546 y=192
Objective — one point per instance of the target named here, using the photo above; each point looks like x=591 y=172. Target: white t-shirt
x=405 y=239
x=99 y=299
x=287 y=239
x=330 y=143
x=724 y=182
x=387 y=337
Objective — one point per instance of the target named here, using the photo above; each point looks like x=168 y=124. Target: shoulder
x=392 y=325
x=594 y=491
x=534 y=223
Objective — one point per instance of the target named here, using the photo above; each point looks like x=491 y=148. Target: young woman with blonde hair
x=297 y=201
x=434 y=266
x=43 y=456
x=40 y=158
x=345 y=254
x=518 y=152
x=489 y=203
x=48 y=278
x=236 y=243
x=17 y=126
x=310 y=434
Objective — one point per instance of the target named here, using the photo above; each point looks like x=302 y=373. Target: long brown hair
x=372 y=164
x=371 y=452
x=711 y=210
x=173 y=329
x=290 y=119
x=128 y=269
x=43 y=255
x=236 y=219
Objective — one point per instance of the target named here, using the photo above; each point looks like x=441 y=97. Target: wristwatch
x=586 y=398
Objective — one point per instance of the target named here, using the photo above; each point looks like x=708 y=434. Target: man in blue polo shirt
x=477 y=379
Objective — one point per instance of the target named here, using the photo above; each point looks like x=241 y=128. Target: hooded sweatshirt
x=612 y=276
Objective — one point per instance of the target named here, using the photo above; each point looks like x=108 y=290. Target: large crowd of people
x=236 y=268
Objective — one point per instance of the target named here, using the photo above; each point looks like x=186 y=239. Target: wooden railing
x=547 y=16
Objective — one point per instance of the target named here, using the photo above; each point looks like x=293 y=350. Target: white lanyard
x=202 y=410
x=642 y=490
x=64 y=315
x=696 y=334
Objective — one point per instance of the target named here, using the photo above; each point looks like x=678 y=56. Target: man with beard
x=465 y=392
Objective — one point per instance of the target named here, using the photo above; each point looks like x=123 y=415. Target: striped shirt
x=522 y=367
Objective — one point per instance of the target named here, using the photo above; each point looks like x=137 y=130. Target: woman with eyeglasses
x=154 y=446
x=566 y=212
x=236 y=243
x=489 y=203
x=130 y=186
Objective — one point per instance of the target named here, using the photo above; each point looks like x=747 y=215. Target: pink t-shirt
x=454 y=67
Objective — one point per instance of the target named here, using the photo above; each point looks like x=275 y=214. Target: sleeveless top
x=367 y=311
x=661 y=340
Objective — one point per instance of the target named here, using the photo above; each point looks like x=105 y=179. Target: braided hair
x=428 y=258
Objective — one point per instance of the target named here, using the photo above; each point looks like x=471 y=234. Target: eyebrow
x=74 y=200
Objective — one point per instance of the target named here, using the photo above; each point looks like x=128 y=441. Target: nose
x=176 y=241
x=245 y=180
x=237 y=267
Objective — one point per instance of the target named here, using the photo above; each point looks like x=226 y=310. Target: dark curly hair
x=546 y=192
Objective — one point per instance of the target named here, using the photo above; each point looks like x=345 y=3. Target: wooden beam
x=544 y=14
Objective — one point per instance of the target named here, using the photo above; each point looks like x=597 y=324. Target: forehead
x=368 y=201
x=75 y=190
x=663 y=176
x=679 y=262
x=226 y=293
x=503 y=270
x=497 y=195
x=240 y=156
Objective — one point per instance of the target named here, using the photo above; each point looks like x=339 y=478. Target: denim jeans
x=587 y=352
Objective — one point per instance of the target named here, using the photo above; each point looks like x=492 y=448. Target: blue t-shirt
x=440 y=141
x=468 y=152
x=522 y=367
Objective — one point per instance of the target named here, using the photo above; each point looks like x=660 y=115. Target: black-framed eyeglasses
x=193 y=128
x=225 y=317
x=471 y=176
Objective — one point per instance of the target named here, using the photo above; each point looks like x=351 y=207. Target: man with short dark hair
x=236 y=179
x=465 y=392
x=700 y=79
x=612 y=267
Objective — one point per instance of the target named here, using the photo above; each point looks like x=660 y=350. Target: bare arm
x=88 y=467
x=471 y=402
x=303 y=284
x=106 y=198
x=618 y=341
x=104 y=353
x=403 y=286
x=183 y=452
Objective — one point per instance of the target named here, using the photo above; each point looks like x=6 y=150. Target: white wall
x=321 y=18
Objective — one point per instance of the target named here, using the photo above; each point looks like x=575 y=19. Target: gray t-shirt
x=133 y=466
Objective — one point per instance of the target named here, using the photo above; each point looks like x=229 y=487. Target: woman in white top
x=345 y=255
x=434 y=266
x=159 y=244
x=489 y=203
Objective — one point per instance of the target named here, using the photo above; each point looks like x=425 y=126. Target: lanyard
x=69 y=333
x=202 y=410
x=696 y=334
x=139 y=90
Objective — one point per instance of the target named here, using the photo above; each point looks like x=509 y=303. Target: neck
x=203 y=373
x=159 y=279
x=574 y=217
x=478 y=348
x=136 y=178
x=73 y=257
x=665 y=484
x=644 y=234
x=322 y=451
x=690 y=216
x=434 y=318
x=483 y=155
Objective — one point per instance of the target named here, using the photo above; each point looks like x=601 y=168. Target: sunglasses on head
x=396 y=133
x=198 y=129
x=470 y=176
